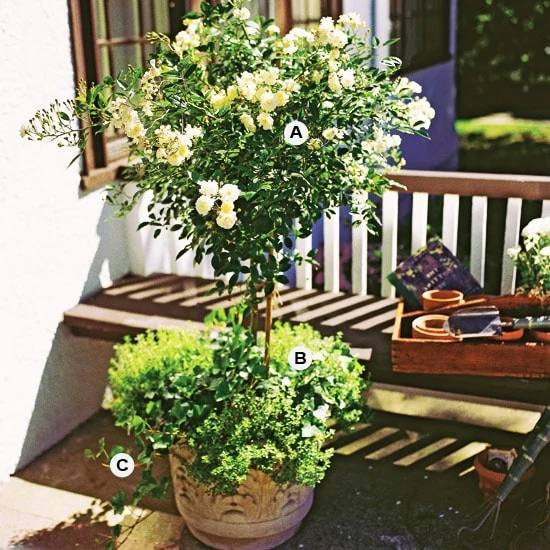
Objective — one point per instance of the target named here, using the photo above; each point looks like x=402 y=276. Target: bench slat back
x=150 y=255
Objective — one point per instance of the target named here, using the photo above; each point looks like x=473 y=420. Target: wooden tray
x=523 y=358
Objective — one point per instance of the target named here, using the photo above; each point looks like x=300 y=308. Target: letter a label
x=300 y=358
x=296 y=133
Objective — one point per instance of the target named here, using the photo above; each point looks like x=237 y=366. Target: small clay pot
x=508 y=334
x=490 y=481
x=541 y=336
x=432 y=299
x=430 y=327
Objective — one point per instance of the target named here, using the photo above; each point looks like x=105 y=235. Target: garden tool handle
x=532 y=322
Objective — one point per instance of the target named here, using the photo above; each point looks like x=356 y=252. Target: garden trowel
x=484 y=321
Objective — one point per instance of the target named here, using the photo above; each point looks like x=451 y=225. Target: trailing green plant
x=212 y=391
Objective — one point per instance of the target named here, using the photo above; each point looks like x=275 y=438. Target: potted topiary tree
x=245 y=439
x=241 y=137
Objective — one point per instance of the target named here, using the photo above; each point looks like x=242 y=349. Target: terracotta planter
x=509 y=334
x=430 y=327
x=541 y=336
x=490 y=481
x=260 y=516
x=433 y=299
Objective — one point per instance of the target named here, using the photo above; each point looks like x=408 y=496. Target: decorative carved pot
x=259 y=516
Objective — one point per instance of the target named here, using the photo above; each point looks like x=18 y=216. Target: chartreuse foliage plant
x=205 y=122
x=213 y=391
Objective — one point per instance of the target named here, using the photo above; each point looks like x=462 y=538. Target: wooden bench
x=138 y=302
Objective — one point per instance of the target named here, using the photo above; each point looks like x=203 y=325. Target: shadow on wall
x=110 y=261
x=71 y=390
x=75 y=373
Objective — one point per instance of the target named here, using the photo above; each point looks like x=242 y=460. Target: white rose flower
x=226 y=207
x=314 y=144
x=242 y=13
x=333 y=65
x=281 y=97
x=183 y=146
x=232 y=92
x=333 y=133
x=326 y=24
x=289 y=45
x=226 y=220
x=403 y=84
x=188 y=38
x=135 y=130
x=420 y=113
x=265 y=121
x=268 y=101
x=208 y=187
x=248 y=122
x=219 y=100
x=347 y=78
x=338 y=39
x=246 y=85
x=268 y=77
x=545 y=251
x=193 y=132
x=297 y=33
x=290 y=85
x=229 y=192
x=334 y=82
x=353 y=20
x=204 y=204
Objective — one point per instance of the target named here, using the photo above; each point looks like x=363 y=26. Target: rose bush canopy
x=205 y=123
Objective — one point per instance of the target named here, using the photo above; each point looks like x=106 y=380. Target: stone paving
x=374 y=496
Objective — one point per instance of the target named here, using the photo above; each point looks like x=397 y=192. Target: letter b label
x=300 y=358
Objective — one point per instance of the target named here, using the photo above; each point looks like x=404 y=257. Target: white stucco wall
x=55 y=246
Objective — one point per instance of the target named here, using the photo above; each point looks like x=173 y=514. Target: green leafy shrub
x=212 y=390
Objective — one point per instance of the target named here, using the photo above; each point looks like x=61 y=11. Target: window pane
x=161 y=16
x=306 y=13
x=101 y=19
x=124 y=55
x=123 y=17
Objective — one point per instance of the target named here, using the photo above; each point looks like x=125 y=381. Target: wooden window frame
x=99 y=165
x=403 y=10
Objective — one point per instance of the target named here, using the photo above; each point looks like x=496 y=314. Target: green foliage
x=504 y=144
x=211 y=390
x=502 y=45
x=500 y=126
